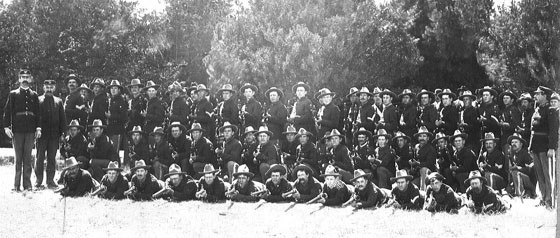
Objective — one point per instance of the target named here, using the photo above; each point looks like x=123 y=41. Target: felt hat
x=209 y=169
x=276 y=168
x=434 y=175
x=508 y=93
x=98 y=81
x=363 y=131
x=475 y=174
x=382 y=132
x=226 y=87
x=431 y=95
x=49 y=82
x=173 y=170
x=274 y=89
x=194 y=127
x=74 y=77
x=70 y=163
x=202 y=87
x=325 y=92
x=136 y=129
x=518 y=137
x=401 y=174
x=399 y=134
x=353 y=90
x=151 y=84
x=175 y=87
x=243 y=170
x=358 y=173
x=364 y=90
x=330 y=170
x=140 y=164
x=228 y=125
x=263 y=129
x=423 y=130
x=407 y=92
x=84 y=87
x=303 y=132
x=489 y=136
x=387 y=92
x=249 y=130
x=526 y=96
x=135 y=82
x=543 y=89
x=113 y=165
x=300 y=84
x=334 y=133
x=158 y=131
x=303 y=167
x=74 y=123
x=97 y=123
x=467 y=93
x=440 y=136
x=248 y=85
x=448 y=93
x=488 y=89
x=290 y=129
x=456 y=134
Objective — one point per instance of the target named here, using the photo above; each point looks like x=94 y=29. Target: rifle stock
x=161 y=192
x=315 y=199
x=289 y=193
x=102 y=189
x=350 y=201
x=257 y=193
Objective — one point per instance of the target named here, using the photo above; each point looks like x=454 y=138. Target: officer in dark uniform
x=328 y=115
x=202 y=114
x=137 y=104
x=251 y=109
x=179 y=110
x=227 y=109
x=100 y=103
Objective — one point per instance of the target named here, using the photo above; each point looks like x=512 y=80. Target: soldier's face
x=335 y=140
x=84 y=93
x=328 y=143
x=25 y=79
x=303 y=139
x=300 y=92
x=381 y=141
x=73 y=131
x=176 y=179
x=152 y=92
x=525 y=104
x=364 y=97
x=228 y=133
x=290 y=137
x=73 y=172
x=406 y=99
x=248 y=93
x=115 y=90
x=459 y=142
x=402 y=184
x=193 y=95
x=387 y=99
x=96 y=131
x=377 y=99
x=516 y=145
x=302 y=176
x=135 y=89
x=249 y=137
x=201 y=94
x=242 y=180
x=446 y=100
x=136 y=137
x=442 y=143
x=467 y=101
x=490 y=146
x=273 y=96
x=330 y=181
x=275 y=177
x=72 y=84
x=97 y=89
x=401 y=142
x=263 y=138
x=209 y=178
x=175 y=93
x=157 y=138
x=195 y=135
x=487 y=97
x=226 y=95
x=354 y=98
x=507 y=100
x=49 y=89
x=361 y=139
x=360 y=183
x=423 y=138
x=436 y=184
x=141 y=173
x=425 y=99
x=176 y=132
x=326 y=99
x=476 y=185
x=554 y=103
x=540 y=97
x=112 y=175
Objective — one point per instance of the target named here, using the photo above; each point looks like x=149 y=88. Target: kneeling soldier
x=178 y=186
x=243 y=188
x=406 y=195
x=77 y=182
x=277 y=184
x=113 y=183
x=481 y=198
x=211 y=187
x=143 y=184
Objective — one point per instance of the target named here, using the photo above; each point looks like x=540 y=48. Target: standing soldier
x=75 y=104
x=251 y=110
x=427 y=113
x=116 y=114
x=510 y=118
x=178 y=109
x=136 y=105
x=448 y=114
x=366 y=112
x=468 y=120
x=407 y=112
x=227 y=109
x=301 y=115
x=489 y=112
x=328 y=116
x=155 y=111
x=276 y=115
x=389 y=115
x=350 y=113
x=526 y=108
x=22 y=125
x=53 y=122
x=544 y=141
x=99 y=105
x=203 y=114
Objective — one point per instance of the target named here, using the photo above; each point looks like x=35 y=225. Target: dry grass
x=40 y=214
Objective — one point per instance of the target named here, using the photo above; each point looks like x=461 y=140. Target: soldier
x=481 y=198
x=178 y=186
x=407 y=112
x=521 y=169
x=230 y=152
x=306 y=187
x=384 y=159
x=180 y=145
x=306 y=152
x=526 y=108
x=288 y=149
x=75 y=105
x=510 y=118
x=244 y=188
x=22 y=125
x=341 y=157
x=53 y=122
x=227 y=109
x=405 y=195
x=77 y=182
x=277 y=185
x=113 y=184
x=116 y=114
x=424 y=157
x=178 y=110
x=143 y=184
x=468 y=120
x=100 y=103
x=492 y=163
x=366 y=194
x=160 y=153
x=137 y=104
x=276 y=115
x=489 y=112
x=75 y=144
x=350 y=114
x=335 y=192
x=445 y=158
x=301 y=114
x=327 y=117
x=266 y=153
x=155 y=111
x=138 y=148
x=464 y=157
x=200 y=149
x=448 y=115
x=389 y=120
x=544 y=142
x=202 y=115
x=366 y=112
x=427 y=113
x=211 y=187
x=363 y=151
x=403 y=151
x=249 y=148
x=439 y=196
x=251 y=109
x=101 y=150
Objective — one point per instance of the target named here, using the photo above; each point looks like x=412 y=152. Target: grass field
x=40 y=214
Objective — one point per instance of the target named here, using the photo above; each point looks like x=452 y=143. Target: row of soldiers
x=381 y=132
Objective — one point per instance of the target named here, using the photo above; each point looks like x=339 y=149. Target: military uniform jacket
x=390 y=119
x=494 y=160
x=363 y=152
x=247 y=155
x=303 y=110
x=245 y=192
x=404 y=198
x=523 y=160
x=526 y=123
x=444 y=198
x=267 y=153
x=103 y=149
x=139 y=151
x=341 y=158
x=404 y=155
x=254 y=113
x=78 y=146
x=486 y=197
x=114 y=190
x=427 y=117
x=466 y=161
x=426 y=155
x=160 y=153
x=202 y=148
x=276 y=190
x=73 y=113
x=450 y=116
x=370 y=196
x=80 y=185
x=291 y=149
x=408 y=112
x=144 y=189
x=232 y=150
x=366 y=113
x=202 y=114
x=18 y=103
x=53 y=120
x=136 y=106
x=229 y=112
x=181 y=145
x=277 y=120
x=117 y=121
x=491 y=112
x=512 y=116
x=387 y=158
x=215 y=191
x=546 y=129
x=337 y=195
x=155 y=113
x=179 y=111
x=445 y=157
x=98 y=108
x=307 y=154
x=309 y=190
x=330 y=119
x=184 y=191
x=470 y=117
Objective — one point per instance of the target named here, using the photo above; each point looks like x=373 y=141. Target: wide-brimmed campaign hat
x=113 y=165
x=399 y=134
x=434 y=175
x=456 y=134
x=447 y=92
x=325 y=92
x=135 y=82
x=330 y=170
x=363 y=131
x=84 y=87
x=475 y=174
x=407 y=92
x=151 y=84
x=74 y=77
x=334 y=133
x=248 y=85
x=431 y=95
x=274 y=89
x=290 y=130
x=263 y=129
x=173 y=170
x=157 y=131
x=508 y=93
x=226 y=87
x=202 y=87
x=382 y=132
x=353 y=90
x=74 y=123
x=194 y=127
x=97 y=123
x=490 y=136
x=467 y=93
x=488 y=89
x=401 y=174
x=70 y=163
x=276 y=168
x=243 y=170
x=388 y=92
x=358 y=173
x=228 y=125
x=175 y=87
x=303 y=132
x=423 y=130
x=302 y=167
x=364 y=90
x=249 y=130
x=136 y=129
x=209 y=169
x=181 y=126
x=300 y=84
x=440 y=136
x=140 y=164
x=98 y=81
x=376 y=91
x=518 y=137
x=526 y=96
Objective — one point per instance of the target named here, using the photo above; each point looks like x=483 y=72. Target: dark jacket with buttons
x=21 y=101
x=53 y=120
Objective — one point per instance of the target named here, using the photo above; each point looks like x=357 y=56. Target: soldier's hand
x=38 y=134
x=8 y=132
x=143 y=113
x=90 y=146
x=296 y=195
x=454 y=168
x=108 y=114
x=550 y=153
x=191 y=160
x=174 y=155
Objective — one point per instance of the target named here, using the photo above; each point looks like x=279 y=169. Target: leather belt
x=26 y=113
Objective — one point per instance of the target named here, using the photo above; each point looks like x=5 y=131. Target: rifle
x=101 y=190
x=231 y=191
x=260 y=204
x=315 y=199
x=161 y=192
x=320 y=208
x=289 y=193
x=350 y=201
x=292 y=205
x=200 y=192
x=259 y=193
x=130 y=190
